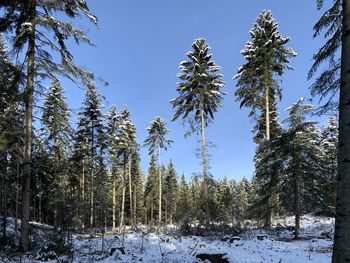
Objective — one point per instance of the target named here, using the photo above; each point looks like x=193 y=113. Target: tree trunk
x=17 y=187
x=341 y=249
x=135 y=206
x=152 y=212
x=82 y=197
x=204 y=162
x=113 y=202
x=92 y=176
x=28 y=98
x=296 y=195
x=123 y=208
x=160 y=186
x=3 y=204
x=4 y=215
x=130 y=189
x=268 y=219
x=123 y=199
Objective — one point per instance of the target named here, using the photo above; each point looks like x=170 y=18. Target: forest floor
x=277 y=245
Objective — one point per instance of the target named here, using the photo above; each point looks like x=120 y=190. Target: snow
x=315 y=245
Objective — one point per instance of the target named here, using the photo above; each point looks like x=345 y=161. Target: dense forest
x=83 y=174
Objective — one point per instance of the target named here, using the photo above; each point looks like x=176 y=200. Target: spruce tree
x=11 y=118
x=170 y=192
x=328 y=142
x=40 y=36
x=91 y=139
x=151 y=190
x=257 y=80
x=126 y=143
x=327 y=84
x=56 y=135
x=113 y=123
x=335 y=24
x=301 y=155
x=183 y=213
x=200 y=96
x=155 y=142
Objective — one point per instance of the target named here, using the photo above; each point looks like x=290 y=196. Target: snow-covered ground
x=136 y=246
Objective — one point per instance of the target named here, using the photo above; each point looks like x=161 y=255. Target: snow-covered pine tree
x=196 y=200
x=200 y=96
x=155 y=142
x=151 y=190
x=127 y=145
x=56 y=131
x=224 y=198
x=327 y=83
x=56 y=135
x=302 y=155
x=11 y=127
x=257 y=80
x=39 y=35
x=113 y=122
x=329 y=146
x=170 y=192
x=183 y=211
x=91 y=140
x=137 y=187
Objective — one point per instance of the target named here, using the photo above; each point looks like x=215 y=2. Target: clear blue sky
x=139 y=45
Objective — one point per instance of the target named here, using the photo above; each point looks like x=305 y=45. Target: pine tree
x=198 y=204
x=40 y=34
x=258 y=88
x=301 y=154
x=151 y=189
x=336 y=23
x=327 y=83
x=11 y=118
x=138 y=186
x=200 y=96
x=113 y=123
x=170 y=192
x=56 y=134
x=329 y=146
x=126 y=143
x=183 y=204
x=91 y=139
x=156 y=141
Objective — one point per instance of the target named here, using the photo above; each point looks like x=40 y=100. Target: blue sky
x=139 y=45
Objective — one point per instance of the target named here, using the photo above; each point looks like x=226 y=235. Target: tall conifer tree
x=155 y=142
x=200 y=96
x=30 y=21
x=257 y=84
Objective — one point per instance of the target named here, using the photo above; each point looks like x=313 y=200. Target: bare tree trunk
x=160 y=185
x=123 y=200
x=130 y=189
x=92 y=177
x=296 y=197
x=82 y=196
x=205 y=178
x=39 y=201
x=341 y=249
x=152 y=212
x=135 y=205
x=267 y=124
x=3 y=205
x=123 y=208
x=113 y=202
x=28 y=98
x=17 y=187
x=4 y=212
